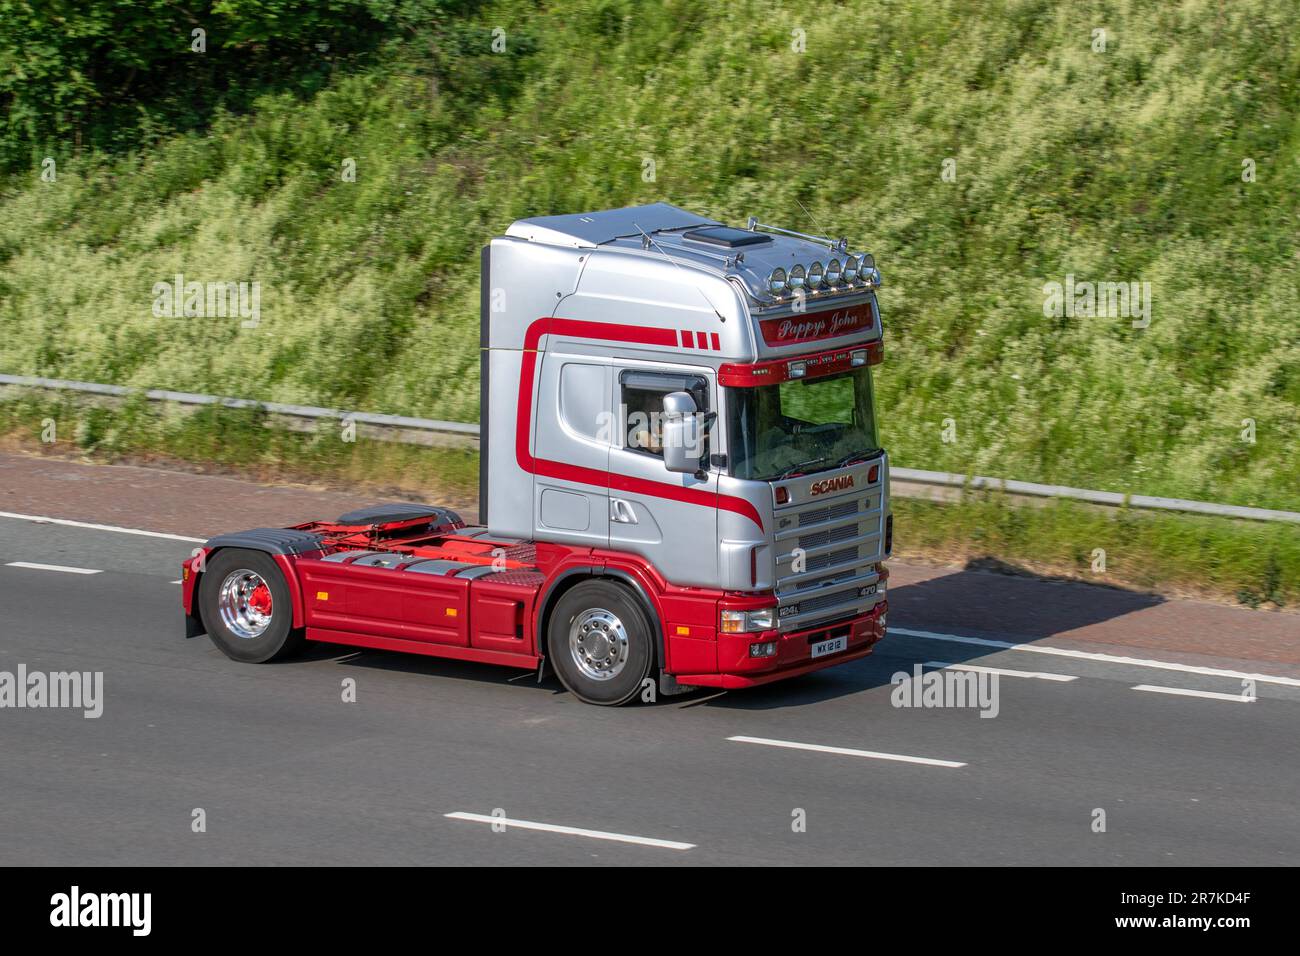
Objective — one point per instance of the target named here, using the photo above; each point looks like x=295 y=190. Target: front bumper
x=736 y=669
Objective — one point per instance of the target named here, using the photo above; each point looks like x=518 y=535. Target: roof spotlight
x=776 y=281
x=816 y=276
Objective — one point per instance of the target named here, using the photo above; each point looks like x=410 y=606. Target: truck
x=681 y=480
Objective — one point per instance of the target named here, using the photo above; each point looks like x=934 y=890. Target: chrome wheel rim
x=245 y=604
x=598 y=644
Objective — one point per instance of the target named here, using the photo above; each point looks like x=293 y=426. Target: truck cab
x=681 y=482
x=611 y=338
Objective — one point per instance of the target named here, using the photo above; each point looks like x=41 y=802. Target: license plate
x=822 y=648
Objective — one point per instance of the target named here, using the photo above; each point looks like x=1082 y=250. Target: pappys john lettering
x=820 y=325
x=631 y=561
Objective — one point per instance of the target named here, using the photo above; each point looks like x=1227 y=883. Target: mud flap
x=194 y=626
x=669 y=687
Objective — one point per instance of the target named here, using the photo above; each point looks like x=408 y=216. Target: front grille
x=819 y=538
x=808 y=605
x=839 y=572
x=841 y=509
x=807 y=584
x=817 y=562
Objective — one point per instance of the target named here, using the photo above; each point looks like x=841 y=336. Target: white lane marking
x=50 y=567
x=569 y=831
x=1185 y=692
x=174 y=582
x=847 y=752
x=1104 y=658
x=40 y=519
x=1002 y=672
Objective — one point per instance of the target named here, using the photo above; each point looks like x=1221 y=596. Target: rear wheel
x=246 y=607
x=600 y=643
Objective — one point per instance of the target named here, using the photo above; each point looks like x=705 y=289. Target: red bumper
x=736 y=669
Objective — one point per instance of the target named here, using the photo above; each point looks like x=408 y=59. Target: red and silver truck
x=681 y=482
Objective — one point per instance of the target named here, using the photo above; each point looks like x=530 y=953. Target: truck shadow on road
x=985 y=599
x=434 y=668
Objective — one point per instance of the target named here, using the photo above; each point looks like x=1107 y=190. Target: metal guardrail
x=1110 y=498
x=275 y=408
x=470 y=430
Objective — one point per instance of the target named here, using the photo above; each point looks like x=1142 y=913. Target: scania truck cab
x=681 y=483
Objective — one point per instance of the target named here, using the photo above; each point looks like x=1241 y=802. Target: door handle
x=621 y=511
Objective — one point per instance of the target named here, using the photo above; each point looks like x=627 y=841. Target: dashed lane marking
x=509 y=823
x=1186 y=692
x=50 y=567
x=847 y=751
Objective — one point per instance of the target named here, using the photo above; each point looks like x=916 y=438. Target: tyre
x=246 y=607
x=600 y=642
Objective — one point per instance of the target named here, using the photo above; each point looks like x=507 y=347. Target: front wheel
x=599 y=642
x=246 y=607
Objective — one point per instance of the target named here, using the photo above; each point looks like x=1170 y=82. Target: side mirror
x=682 y=434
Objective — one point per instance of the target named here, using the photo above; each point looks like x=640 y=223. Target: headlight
x=738 y=622
x=833 y=272
x=850 y=268
x=795 y=282
x=776 y=281
x=815 y=272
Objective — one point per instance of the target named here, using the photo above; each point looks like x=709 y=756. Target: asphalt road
x=285 y=771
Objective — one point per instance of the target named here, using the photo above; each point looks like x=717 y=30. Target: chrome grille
x=819 y=538
x=814 y=604
x=831 y=558
x=841 y=540
x=828 y=513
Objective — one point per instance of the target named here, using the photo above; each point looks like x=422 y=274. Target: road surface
x=1193 y=768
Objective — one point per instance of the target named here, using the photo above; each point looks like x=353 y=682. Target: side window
x=641 y=406
x=584 y=398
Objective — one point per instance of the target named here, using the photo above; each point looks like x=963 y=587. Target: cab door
x=571 y=431
x=669 y=519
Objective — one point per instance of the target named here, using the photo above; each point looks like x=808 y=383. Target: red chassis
x=485 y=600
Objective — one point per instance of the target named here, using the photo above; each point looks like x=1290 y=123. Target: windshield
x=807 y=424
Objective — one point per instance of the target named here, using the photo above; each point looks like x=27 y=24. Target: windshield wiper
x=795 y=469
x=857 y=456
x=843 y=462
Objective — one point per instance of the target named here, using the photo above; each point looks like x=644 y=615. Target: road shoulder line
x=1093 y=656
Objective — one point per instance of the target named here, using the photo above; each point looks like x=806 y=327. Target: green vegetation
x=245 y=442
x=1122 y=165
